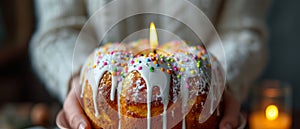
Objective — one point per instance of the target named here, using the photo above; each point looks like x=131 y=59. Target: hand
x=230 y=119
x=74 y=115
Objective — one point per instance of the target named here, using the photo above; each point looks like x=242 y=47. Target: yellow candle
x=271 y=118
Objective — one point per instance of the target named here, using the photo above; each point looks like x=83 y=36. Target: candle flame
x=153 y=36
x=271 y=112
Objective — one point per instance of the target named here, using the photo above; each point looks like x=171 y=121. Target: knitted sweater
x=240 y=24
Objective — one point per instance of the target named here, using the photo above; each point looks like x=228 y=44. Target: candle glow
x=153 y=36
x=271 y=112
x=270 y=118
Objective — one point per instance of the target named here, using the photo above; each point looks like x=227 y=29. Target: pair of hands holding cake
x=76 y=118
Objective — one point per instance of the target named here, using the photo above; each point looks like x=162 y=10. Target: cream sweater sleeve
x=243 y=34
x=51 y=48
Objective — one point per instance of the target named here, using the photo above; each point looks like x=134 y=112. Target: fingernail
x=228 y=126
x=82 y=126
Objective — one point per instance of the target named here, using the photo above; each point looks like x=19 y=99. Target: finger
x=230 y=119
x=75 y=116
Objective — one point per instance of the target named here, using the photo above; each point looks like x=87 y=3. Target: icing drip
x=183 y=123
x=119 y=104
x=156 y=77
x=106 y=62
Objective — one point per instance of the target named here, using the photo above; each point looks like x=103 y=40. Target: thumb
x=74 y=113
x=230 y=119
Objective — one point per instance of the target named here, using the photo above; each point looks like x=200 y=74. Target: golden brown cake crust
x=130 y=109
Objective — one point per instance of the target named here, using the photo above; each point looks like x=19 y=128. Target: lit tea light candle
x=271 y=106
x=270 y=118
x=271 y=112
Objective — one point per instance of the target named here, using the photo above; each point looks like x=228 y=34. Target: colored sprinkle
x=112 y=52
x=113 y=61
x=114 y=73
x=161 y=59
x=198 y=64
x=199 y=54
x=115 y=69
x=187 y=86
x=168 y=59
x=154 y=62
x=148 y=59
x=180 y=62
x=168 y=71
x=182 y=69
x=140 y=68
x=162 y=69
x=192 y=72
x=104 y=63
x=140 y=61
x=153 y=58
x=195 y=57
x=94 y=66
x=151 y=54
x=157 y=65
x=136 y=60
x=131 y=62
x=119 y=79
x=203 y=58
x=99 y=53
x=151 y=69
x=178 y=76
x=175 y=68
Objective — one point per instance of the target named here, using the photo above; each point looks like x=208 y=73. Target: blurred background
x=23 y=99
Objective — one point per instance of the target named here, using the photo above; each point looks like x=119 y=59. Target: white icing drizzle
x=183 y=123
x=119 y=104
x=154 y=78
x=108 y=63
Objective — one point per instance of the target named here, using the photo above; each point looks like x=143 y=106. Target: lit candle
x=270 y=118
x=153 y=36
x=153 y=42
